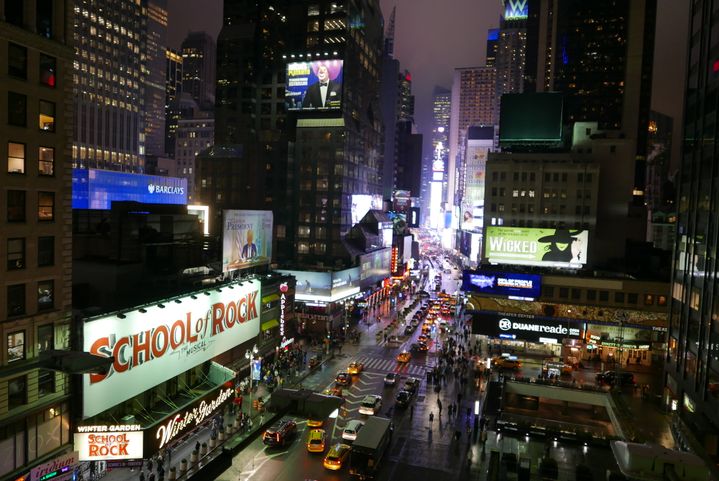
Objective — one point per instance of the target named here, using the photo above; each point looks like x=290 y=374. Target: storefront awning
x=267 y=325
x=270 y=298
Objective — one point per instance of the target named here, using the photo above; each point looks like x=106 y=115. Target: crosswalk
x=390 y=365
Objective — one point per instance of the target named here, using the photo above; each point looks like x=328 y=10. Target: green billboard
x=537 y=247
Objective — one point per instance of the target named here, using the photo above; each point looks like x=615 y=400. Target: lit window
x=45 y=206
x=46 y=161
x=45 y=295
x=47 y=116
x=15 y=158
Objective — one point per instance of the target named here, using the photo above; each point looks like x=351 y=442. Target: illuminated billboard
x=314 y=85
x=157 y=342
x=325 y=286
x=246 y=238
x=516 y=9
x=537 y=247
x=363 y=203
x=526 y=327
x=375 y=266
x=109 y=442
x=98 y=189
x=496 y=283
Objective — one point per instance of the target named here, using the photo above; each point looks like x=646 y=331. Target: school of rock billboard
x=158 y=342
x=246 y=238
x=536 y=247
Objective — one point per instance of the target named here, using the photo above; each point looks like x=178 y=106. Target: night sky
x=433 y=37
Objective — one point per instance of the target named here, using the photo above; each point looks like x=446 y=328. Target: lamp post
x=250 y=356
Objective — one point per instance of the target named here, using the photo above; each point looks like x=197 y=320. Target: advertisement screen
x=363 y=203
x=160 y=341
x=325 y=286
x=97 y=189
x=315 y=85
x=537 y=247
x=525 y=327
x=246 y=238
x=375 y=266
x=413 y=219
x=496 y=283
x=101 y=444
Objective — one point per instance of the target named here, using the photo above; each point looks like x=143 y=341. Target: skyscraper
x=441 y=110
x=35 y=231
x=198 y=68
x=691 y=387
x=155 y=67
x=173 y=92
x=108 y=85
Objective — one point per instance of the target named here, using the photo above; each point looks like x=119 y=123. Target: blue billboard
x=97 y=189
x=496 y=283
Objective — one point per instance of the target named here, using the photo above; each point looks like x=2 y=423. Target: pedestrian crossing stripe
x=390 y=365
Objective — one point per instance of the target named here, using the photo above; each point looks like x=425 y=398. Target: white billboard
x=246 y=238
x=363 y=203
x=113 y=445
x=165 y=340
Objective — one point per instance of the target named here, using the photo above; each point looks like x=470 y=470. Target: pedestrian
x=152 y=477
x=197 y=446
x=411 y=411
x=431 y=419
x=149 y=465
x=142 y=476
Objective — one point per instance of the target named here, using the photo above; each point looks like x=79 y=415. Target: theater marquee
x=153 y=346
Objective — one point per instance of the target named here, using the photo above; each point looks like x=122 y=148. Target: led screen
x=314 y=85
x=246 y=239
x=537 y=247
x=97 y=189
x=497 y=283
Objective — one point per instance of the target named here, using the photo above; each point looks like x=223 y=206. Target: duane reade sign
x=153 y=346
x=507 y=325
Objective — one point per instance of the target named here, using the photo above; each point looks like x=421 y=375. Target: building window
x=15 y=254
x=661 y=300
x=16 y=206
x=648 y=300
x=16 y=109
x=619 y=297
x=46 y=161
x=591 y=295
x=16 y=392
x=14 y=12
x=46 y=117
x=632 y=298
x=45 y=337
x=563 y=292
x=15 y=158
x=44 y=17
x=603 y=296
x=45 y=295
x=45 y=251
x=303 y=248
x=16 y=346
x=45 y=382
x=16 y=300
x=16 y=61
x=547 y=291
x=576 y=294
x=48 y=69
x=45 y=206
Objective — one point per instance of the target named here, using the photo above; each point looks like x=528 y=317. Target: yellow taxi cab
x=506 y=362
x=337 y=456
x=315 y=423
x=316 y=441
x=355 y=367
x=404 y=356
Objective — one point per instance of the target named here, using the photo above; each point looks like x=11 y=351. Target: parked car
x=403 y=398
x=610 y=377
x=412 y=385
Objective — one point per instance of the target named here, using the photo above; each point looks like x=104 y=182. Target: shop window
x=16 y=109
x=16 y=392
x=16 y=254
x=632 y=298
x=48 y=69
x=16 y=300
x=563 y=292
x=619 y=297
x=46 y=161
x=45 y=337
x=45 y=206
x=603 y=296
x=45 y=382
x=15 y=158
x=591 y=295
x=46 y=117
x=16 y=60
x=16 y=346
x=648 y=300
x=45 y=251
x=45 y=294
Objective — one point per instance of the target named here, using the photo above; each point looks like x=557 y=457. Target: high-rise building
x=492 y=45
x=659 y=191
x=193 y=136
x=304 y=165
x=154 y=70
x=36 y=89
x=599 y=55
x=510 y=61
x=473 y=104
x=691 y=388
x=198 y=68
x=173 y=92
x=441 y=110
x=108 y=85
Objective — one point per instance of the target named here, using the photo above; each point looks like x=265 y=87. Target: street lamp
x=250 y=356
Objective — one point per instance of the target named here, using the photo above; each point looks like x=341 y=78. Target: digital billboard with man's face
x=314 y=85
